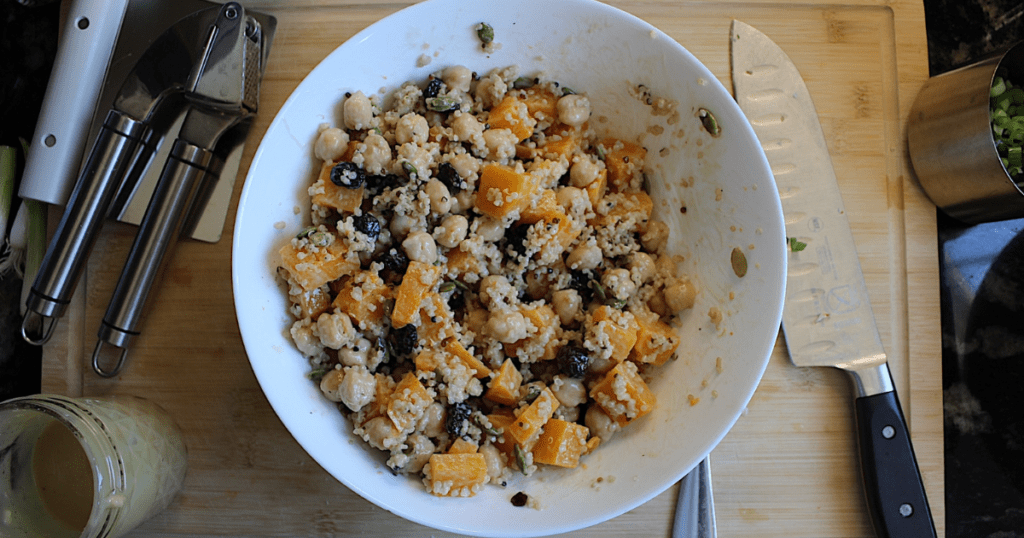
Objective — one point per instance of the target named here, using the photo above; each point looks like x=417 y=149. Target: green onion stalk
x=1007 y=116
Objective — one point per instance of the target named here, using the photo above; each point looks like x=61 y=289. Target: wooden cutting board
x=789 y=467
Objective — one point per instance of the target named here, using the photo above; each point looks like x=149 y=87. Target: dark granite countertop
x=981 y=268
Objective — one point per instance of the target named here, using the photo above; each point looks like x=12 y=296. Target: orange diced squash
x=437 y=134
x=427 y=360
x=408 y=402
x=312 y=269
x=595 y=190
x=504 y=387
x=454 y=347
x=462 y=446
x=450 y=474
x=435 y=320
x=541 y=103
x=544 y=207
x=623 y=394
x=327 y=194
x=363 y=297
x=310 y=303
x=622 y=159
x=656 y=342
x=418 y=280
x=561 y=141
x=543 y=318
x=461 y=263
x=512 y=113
x=381 y=395
x=526 y=427
x=561 y=443
x=622 y=334
x=503 y=442
x=502 y=190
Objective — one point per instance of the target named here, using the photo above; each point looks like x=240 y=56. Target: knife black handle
x=892 y=481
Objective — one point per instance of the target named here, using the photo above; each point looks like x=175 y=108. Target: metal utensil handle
x=695 y=509
x=112 y=154
x=158 y=232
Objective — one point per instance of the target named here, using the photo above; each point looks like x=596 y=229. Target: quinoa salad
x=482 y=289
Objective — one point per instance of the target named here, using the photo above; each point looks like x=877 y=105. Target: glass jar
x=85 y=467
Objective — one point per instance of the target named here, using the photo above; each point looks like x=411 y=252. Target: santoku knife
x=827 y=319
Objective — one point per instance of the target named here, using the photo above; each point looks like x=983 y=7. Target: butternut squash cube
x=502 y=190
x=542 y=317
x=326 y=194
x=457 y=474
x=618 y=205
x=623 y=394
x=622 y=159
x=620 y=328
x=512 y=113
x=561 y=443
x=656 y=342
x=314 y=268
x=561 y=141
x=310 y=304
x=526 y=427
x=504 y=387
x=544 y=207
x=462 y=263
x=363 y=297
x=427 y=360
x=504 y=442
x=408 y=402
x=418 y=280
x=596 y=189
x=541 y=103
x=462 y=446
x=453 y=346
x=435 y=320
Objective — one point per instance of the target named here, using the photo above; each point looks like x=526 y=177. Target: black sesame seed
x=348 y=175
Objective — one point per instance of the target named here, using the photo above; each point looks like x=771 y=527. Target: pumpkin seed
x=739 y=262
x=707 y=119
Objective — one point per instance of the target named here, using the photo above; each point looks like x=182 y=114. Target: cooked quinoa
x=482 y=289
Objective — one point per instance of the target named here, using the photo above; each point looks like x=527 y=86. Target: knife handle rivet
x=889 y=432
x=906 y=510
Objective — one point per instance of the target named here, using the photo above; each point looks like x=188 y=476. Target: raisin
x=520 y=499
x=376 y=184
x=447 y=175
x=368 y=225
x=573 y=361
x=580 y=281
x=433 y=88
x=457 y=422
x=395 y=263
x=348 y=175
x=515 y=240
x=405 y=340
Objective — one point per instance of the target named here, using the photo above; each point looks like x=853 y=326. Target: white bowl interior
x=724 y=183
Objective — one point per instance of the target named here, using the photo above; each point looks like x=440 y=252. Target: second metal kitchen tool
x=123 y=144
x=827 y=318
x=695 y=508
x=222 y=92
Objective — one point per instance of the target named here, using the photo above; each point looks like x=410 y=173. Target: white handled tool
x=86 y=46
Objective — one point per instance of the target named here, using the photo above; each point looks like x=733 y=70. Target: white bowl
x=731 y=202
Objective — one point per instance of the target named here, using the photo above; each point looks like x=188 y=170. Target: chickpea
x=467 y=128
x=335 y=329
x=574 y=110
x=432 y=421
x=641 y=267
x=440 y=198
x=331 y=144
x=617 y=282
x=501 y=143
x=495 y=463
x=420 y=447
x=358 y=387
x=330 y=385
x=457 y=77
x=374 y=154
x=600 y=423
x=489 y=229
x=412 y=128
x=568 y=414
x=357 y=111
x=379 y=432
x=307 y=342
x=584 y=172
x=655 y=237
x=401 y=225
x=466 y=165
x=568 y=304
x=575 y=201
x=507 y=326
x=495 y=291
x=680 y=296
x=356 y=353
x=452 y=231
x=585 y=256
x=570 y=391
x=419 y=246
x=491 y=89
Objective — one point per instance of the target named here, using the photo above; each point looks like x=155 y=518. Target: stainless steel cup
x=949 y=133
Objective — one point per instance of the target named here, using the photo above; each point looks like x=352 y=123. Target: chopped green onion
x=796 y=245
x=1006 y=113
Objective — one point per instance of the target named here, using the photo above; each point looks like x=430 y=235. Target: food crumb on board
x=279 y=225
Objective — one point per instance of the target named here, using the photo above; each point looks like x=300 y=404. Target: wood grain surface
x=788 y=468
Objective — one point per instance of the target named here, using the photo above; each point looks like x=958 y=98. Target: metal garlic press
x=207 y=67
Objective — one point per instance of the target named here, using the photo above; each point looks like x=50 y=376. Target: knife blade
x=827 y=318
